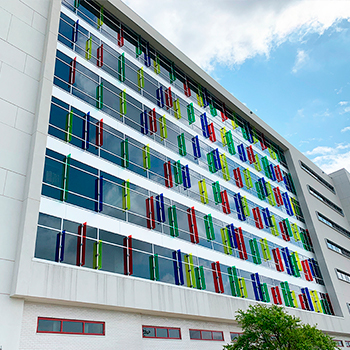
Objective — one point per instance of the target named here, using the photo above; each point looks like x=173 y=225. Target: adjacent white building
x=142 y=205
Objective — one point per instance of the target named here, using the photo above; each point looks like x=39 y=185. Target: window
x=343 y=276
x=339 y=343
x=338 y=249
x=235 y=336
x=54 y=325
x=333 y=225
x=347 y=343
x=161 y=332
x=316 y=176
x=206 y=335
x=326 y=201
x=348 y=305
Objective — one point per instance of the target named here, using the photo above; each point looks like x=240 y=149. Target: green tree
x=271 y=328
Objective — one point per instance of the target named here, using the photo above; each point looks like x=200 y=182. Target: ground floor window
x=206 y=335
x=64 y=326
x=161 y=332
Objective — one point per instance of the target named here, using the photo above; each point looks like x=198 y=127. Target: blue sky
x=287 y=61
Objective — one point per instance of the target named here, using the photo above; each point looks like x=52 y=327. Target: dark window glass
x=45 y=245
x=234 y=336
x=112 y=197
x=174 y=333
x=111 y=149
x=111 y=100
x=137 y=212
x=70 y=249
x=72 y=327
x=131 y=75
x=93 y=328
x=157 y=167
x=77 y=128
x=53 y=175
x=195 y=334
x=69 y=4
x=136 y=157
x=140 y=259
x=110 y=60
x=208 y=274
x=218 y=336
x=80 y=45
x=82 y=182
x=62 y=70
x=49 y=326
x=85 y=84
x=110 y=29
x=148 y=332
x=50 y=221
x=112 y=254
x=58 y=118
x=166 y=270
x=150 y=90
x=206 y=335
x=89 y=12
x=133 y=111
x=182 y=221
x=162 y=333
x=66 y=30
x=173 y=132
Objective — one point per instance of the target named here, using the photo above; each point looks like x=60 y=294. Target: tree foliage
x=271 y=328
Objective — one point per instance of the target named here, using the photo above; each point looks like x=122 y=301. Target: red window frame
x=347 y=343
x=70 y=320
x=205 y=330
x=339 y=343
x=235 y=333
x=155 y=332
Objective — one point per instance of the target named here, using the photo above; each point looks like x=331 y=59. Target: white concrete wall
x=341 y=180
x=328 y=260
x=26 y=73
x=123 y=330
x=22 y=50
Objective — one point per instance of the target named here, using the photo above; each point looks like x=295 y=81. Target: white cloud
x=343 y=103
x=343 y=146
x=330 y=159
x=301 y=59
x=320 y=150
x=230 y=32
x=338 y=91
x=346 y=129
x=332 y=163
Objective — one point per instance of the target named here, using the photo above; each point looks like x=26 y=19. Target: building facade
x=142 y=204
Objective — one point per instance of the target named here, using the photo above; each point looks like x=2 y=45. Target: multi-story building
x=142 y=205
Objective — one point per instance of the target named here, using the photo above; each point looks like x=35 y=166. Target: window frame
x=236 y=333
x=316 y=177
x=328 y=222
x=325 y=200
x=340 y=272
x=206 y=330
x=161 y=327
x=61 y=320
x=339 y=342
x=339 y=250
